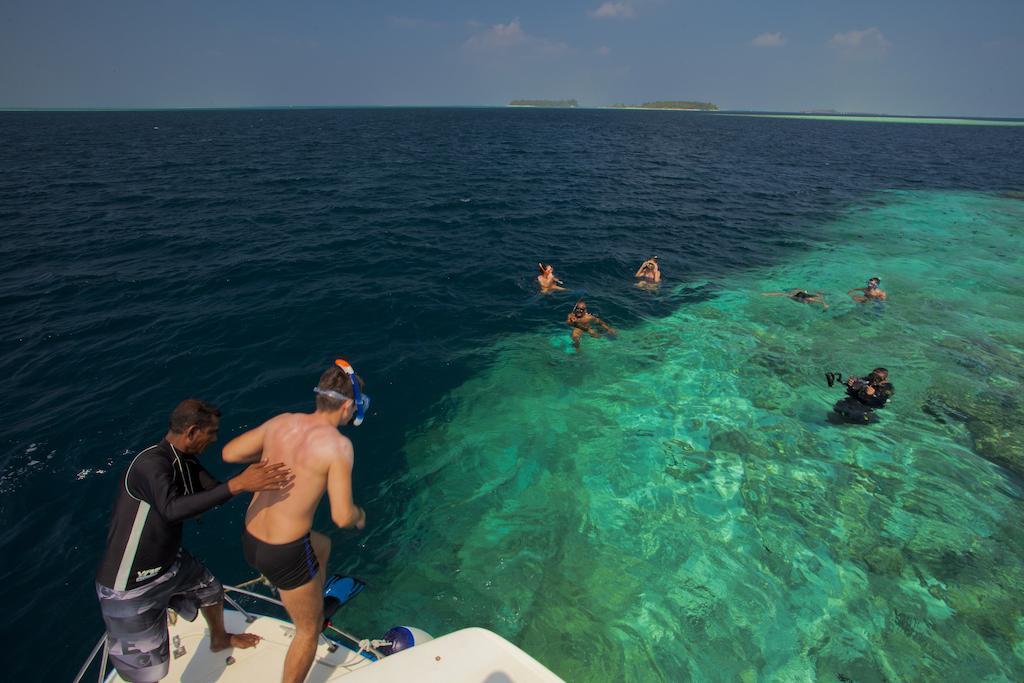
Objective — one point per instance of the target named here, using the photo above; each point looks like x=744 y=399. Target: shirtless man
x=581 y=320
x=547 y=280
x=278 y=540
x=802 y=296
x=649 y=270
x=871 y=292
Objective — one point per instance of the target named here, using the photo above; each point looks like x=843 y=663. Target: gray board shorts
x=136 y=619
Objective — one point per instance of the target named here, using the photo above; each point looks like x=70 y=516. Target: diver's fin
x=339 y=590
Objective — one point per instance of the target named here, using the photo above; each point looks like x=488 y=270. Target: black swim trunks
x=286 y=565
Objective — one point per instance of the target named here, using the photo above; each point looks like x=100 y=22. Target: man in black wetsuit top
x=145 y=570
x=873 y=390
x=864 y=395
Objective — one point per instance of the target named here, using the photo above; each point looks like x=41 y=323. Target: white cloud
x=869 y=39
x=769 y=40
x=498 y=36
x=505 y=37
x=613 y=10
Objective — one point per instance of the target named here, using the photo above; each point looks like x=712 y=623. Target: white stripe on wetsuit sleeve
x=132 y=547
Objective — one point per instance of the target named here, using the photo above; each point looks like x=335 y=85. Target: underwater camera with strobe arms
x=834 y=378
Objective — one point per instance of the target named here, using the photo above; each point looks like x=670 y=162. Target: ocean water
x=670 y=504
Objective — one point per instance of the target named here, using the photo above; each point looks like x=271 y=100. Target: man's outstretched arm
x=344 y=512
x=153 y=481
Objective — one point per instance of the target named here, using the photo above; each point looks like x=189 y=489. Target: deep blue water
x=230 y=255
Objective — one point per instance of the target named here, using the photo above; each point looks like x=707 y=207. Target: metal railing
x=362 y=645
x=92 y=655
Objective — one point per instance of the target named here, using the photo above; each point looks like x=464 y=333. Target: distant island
x=685 y=105
x=544 y=103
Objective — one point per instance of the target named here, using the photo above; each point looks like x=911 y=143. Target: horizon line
x=278 y=107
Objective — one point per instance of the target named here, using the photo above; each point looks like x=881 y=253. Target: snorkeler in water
x=871 y=292
x=802 y=296
x=547 y=280
x=649 y=270
x=582 y=321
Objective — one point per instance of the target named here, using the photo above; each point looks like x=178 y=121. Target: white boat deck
x=195 y=663
x=472 y=655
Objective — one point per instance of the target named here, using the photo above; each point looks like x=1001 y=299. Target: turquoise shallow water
x=673 y=504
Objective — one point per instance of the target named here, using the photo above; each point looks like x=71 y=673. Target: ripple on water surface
x=673 y=504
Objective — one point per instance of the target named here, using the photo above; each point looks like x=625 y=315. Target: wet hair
x=880 y=373
x=334 y=379
x=875 y=280
x=193 y=412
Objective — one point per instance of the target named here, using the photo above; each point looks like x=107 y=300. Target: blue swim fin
x=339 y=590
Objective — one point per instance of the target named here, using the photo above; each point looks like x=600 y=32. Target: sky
x=941 y=57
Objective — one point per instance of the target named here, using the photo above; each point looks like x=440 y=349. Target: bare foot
x=242 y=641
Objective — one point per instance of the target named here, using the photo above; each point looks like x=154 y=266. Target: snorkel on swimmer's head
x=580 y=309
x=873 y=283
x=358 y=398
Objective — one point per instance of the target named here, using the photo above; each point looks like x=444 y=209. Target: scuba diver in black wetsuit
x=145 y=570
x=864 y=395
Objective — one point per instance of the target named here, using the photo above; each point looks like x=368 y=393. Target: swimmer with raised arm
x=547 y=280
x=649 y=271
x=582 y=321
x=869 y=293
x=802 y=296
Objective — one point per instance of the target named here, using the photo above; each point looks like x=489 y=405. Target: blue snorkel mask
x=361 y=400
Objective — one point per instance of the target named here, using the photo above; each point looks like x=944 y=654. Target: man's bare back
x=310 y=448
x=321 y=460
